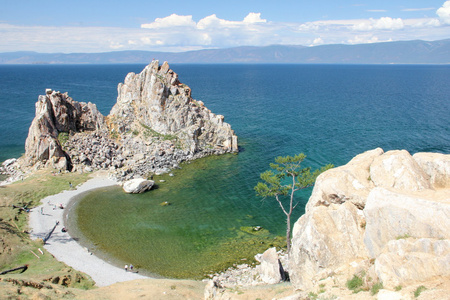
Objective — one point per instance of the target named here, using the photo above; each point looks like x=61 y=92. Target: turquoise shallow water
x=329 y=112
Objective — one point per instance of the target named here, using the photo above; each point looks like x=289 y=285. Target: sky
x=89 y=26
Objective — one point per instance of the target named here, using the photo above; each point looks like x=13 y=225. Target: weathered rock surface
x=137 y=185
x=397 y=169
x=155 y=101
x=154 y=126
x=409 y=261
x=391 y=215
x=350 y=182
x=325 y=239
x=436 y=166
x=270 y=270
x=387 y=214
x=57 y=113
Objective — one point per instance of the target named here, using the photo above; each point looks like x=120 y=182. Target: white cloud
x=181 y=33
x=252 y=18
x=213 y=21
x=363 y=39
x=418 y=9
x=384 y=23
x=173 y=20
x=388 y=23
x=317 y=41
x=444 y=12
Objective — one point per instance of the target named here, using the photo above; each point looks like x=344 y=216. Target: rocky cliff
x=154 y=126
x=384 y=216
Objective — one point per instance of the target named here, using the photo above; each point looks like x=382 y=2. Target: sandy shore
x=43 y=218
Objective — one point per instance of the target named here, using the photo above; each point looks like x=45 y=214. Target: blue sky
x=99 y=26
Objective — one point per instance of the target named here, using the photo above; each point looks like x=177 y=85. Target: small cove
x=200 y=232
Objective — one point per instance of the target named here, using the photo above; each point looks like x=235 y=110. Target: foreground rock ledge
x=383 y=215
x=154 y=126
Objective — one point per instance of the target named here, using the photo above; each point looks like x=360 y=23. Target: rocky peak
x=156 y=99
x=154 y=126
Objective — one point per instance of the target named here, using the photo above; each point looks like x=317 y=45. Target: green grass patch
x=419 y=290
x=14 y=229
x=404 y=236
x=63 y=137
x=355 y=284
x=376 y=288
x=149 y=132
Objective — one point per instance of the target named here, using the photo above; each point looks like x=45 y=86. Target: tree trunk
x=288 y=233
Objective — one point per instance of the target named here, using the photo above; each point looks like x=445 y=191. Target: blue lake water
x=329 y=112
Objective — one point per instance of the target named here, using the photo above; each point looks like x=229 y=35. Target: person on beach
x=70 y=184
x=42 y=210
x=131 y=267
x=126 y=268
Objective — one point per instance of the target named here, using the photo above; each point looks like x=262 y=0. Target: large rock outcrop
x=387 y=214
x=156 y=99
x=56 y=114
x=154 y=126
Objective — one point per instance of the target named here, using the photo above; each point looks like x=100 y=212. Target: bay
x=329 y=112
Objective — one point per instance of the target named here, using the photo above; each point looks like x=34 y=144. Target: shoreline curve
x=63 y=247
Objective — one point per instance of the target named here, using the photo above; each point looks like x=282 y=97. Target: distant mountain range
x=405 y=52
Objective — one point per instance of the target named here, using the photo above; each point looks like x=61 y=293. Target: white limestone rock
x=411 y=261
x=390 y=215
x=270 y=270
x=360 y=215
x=397 y=169
x=325 y=239
x=137 y=185
x=350 y=182
x=436 y=166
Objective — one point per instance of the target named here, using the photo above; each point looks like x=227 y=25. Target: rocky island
x=154 y=126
